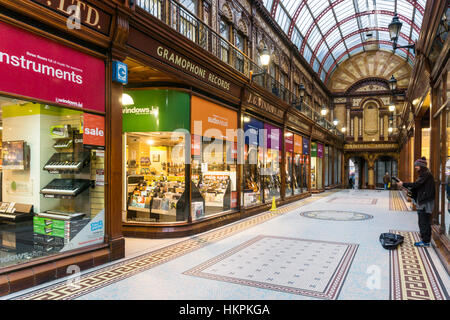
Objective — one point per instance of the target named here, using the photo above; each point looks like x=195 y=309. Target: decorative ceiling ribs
x=317 y=11
x=360 y=45
x=349 y=36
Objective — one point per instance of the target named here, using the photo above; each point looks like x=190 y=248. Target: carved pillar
x=114 y=141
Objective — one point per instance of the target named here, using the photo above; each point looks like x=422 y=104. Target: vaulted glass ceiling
x=328 y=32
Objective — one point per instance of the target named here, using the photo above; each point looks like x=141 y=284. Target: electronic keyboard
x=65 y=187
x=67 y=161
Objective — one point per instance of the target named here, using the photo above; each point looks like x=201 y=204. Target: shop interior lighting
x=127 y=100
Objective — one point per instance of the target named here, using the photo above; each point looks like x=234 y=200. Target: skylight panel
x=340 y=49
x=353 y=40
x=322 y=76
x=322 y=51
x=328 y=63
x=344 y=10
x=405 y=8
x=268 y=4
x=388 y=5
x=314 y=37
x=414 y=35
x=422 y=3
x=291 y=6
x=333 y=37
x=304 y=20
x=307 y=53
x=297 y=39
x=349 y=27
x=316 y=65
x=282 y=19
x=418 y=18
x=327 y=22
x=317 y=6
x=353 y=52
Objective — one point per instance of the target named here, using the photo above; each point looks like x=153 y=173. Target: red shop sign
x=93 y=130
x=35 y=67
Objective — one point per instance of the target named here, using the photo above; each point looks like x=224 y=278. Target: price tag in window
x=100 y=177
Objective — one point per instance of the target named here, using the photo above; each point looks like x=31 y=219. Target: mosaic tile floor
x=200 y=267
x=296 y=266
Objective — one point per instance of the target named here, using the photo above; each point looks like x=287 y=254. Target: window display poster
x=44 y=69
x=289 y=142
x=273 y=137
x=197 y=211
x=313 y=149
x=298 y=144
x=305 y=146
x=320 y=150
x=93 y=130
x=251 y=130
x=156 y=111
x=213 y=121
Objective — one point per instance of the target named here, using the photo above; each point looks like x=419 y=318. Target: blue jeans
x=385 y=186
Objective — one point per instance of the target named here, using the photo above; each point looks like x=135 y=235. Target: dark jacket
x=423 y=189
x=386 y=178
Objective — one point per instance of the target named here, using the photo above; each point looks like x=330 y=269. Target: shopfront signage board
x=38 y=68
x=313 y=149
x=320 y=150
x=289 y=142
x=213 y=121
x=175 y=59
x=273 y=137
x=156 y=111
x=305 y=146
x=298 y=144
x=89 y=15
x=253 y=131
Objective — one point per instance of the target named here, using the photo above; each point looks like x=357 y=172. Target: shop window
x=52 y=180
x=289 y=163
x=214 y=159
x=272 y=163
x=188 y=24
x=253 y=162
x=224 y=31
x=239 y=42
x=191 y=5
x=157 y=140
x=151 y=6
x=316 y=166
x=155 y=176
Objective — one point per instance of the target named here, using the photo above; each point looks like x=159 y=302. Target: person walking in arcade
x=423 y=193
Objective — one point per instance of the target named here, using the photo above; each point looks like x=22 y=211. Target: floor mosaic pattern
x=413 y=274
x=397 y=202
x=334 y=215
x=115 y=272
x=296 y=266
x=353 y=200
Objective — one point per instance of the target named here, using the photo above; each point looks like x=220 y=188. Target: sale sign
x=39 y=68
x=93 y=130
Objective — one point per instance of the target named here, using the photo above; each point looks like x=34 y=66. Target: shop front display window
x=52 y=180
x=253 y=162
x=214 y=159
x=326 y=167
x=297 y=165
x=156 y=138
x=289 y=163
x=272 y=163
x=155 y=176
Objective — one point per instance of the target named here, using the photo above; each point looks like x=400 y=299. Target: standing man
x=423 y=192
x=386 y=180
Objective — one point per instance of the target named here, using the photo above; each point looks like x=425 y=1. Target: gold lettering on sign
x=92 y=15
x=262 y=104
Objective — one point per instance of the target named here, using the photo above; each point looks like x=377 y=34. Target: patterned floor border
x=413 y=275
x=397 y=201
x=95 y=280
x=331 y=291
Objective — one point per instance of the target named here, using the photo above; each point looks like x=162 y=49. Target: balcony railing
x=183 y=21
